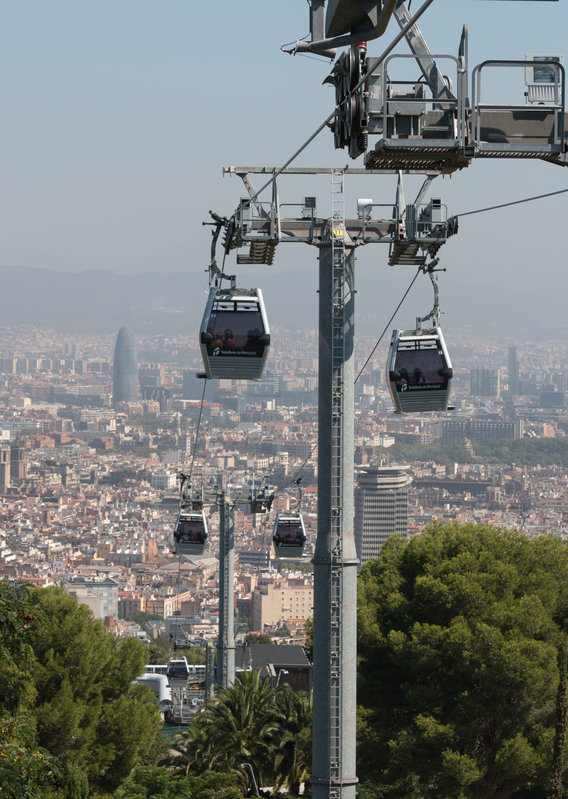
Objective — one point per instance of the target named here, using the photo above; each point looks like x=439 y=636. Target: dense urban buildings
x=89 y=491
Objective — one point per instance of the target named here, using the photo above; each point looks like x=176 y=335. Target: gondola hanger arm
x=434 y=314
x=215 y=273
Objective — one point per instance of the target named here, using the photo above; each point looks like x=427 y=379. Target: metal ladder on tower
x=226 y=578
x=336 y=560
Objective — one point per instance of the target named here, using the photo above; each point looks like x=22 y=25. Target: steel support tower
x=335 y=561
x=226 y=639
x=256 y=501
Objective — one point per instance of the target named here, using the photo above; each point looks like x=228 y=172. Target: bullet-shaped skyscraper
x=125 y=369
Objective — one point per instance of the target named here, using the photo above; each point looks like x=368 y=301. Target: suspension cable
x=386 y=327
x=514 y=202
x=298 y=473
x=404 y=296
x=263 y=525
x=187 y=479
x=197 y=429
x=178 y=587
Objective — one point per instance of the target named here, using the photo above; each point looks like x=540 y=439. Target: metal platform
x=417 y=154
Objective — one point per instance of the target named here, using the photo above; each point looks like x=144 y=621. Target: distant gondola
x=177 y=671
x=419 y=371
x=190 y=532
x=234 y=335
x=289 y=535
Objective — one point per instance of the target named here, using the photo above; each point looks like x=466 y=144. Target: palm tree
x=234 y=727
x=197 y=749
x=293 y=738
x=252 y=722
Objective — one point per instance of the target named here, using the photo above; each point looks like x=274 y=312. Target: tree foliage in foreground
x=24 y=767
x=157 y=782
x=459 y=633
x=69 y=715
x=88 y=713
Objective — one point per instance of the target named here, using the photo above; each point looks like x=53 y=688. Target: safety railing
x=452 y=128
x=518 y=130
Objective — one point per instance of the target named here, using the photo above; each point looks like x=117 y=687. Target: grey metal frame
x=335 y=558
x=458 y=140
x=226 y=639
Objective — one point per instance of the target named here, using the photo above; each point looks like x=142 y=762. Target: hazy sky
x=118 y=116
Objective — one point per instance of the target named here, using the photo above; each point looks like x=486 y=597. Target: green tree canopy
x=459 y=631
x=88 y=713
x=522 y=451
x=158 y=782
x=25 y=768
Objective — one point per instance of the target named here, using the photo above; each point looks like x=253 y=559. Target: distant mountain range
x=94 y=300
x=173 y=303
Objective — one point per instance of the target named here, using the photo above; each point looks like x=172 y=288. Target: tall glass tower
x=125 y=369
x=513 y=369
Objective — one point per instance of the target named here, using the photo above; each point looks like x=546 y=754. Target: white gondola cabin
x=234 y=335
x=177 y=672
x=419 y=371
x=289 y=535
x=190 y=532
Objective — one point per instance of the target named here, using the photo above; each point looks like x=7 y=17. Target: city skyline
x=128 y=140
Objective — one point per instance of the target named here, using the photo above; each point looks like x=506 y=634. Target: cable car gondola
x=234 y=335
x=419 y=371
x=289 y=535
x=190 y=532
x=177 y=671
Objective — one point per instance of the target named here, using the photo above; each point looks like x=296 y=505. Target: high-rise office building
x=513 y=372
x=192 y=387
x=381 y=507
x=484 y=382
x=150 y=376
x=18 y=465
x=5 y=468
x=125 y=369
